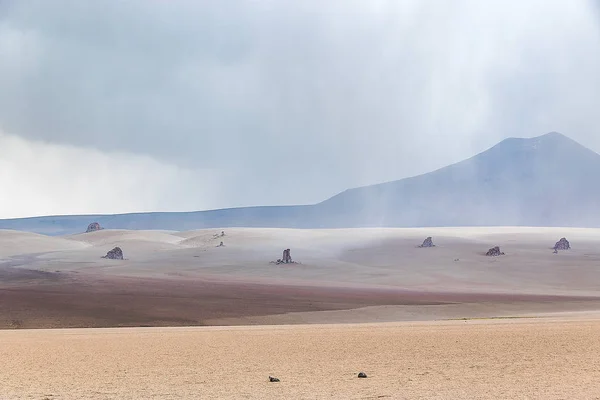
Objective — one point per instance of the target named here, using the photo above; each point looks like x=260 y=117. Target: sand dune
x=109 y=236
x=14 y=243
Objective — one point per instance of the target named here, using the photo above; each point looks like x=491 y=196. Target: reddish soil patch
x=35 y=299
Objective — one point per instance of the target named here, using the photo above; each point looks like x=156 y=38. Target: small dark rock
x=494 y=252
x=427 y=242
x=362 y=375
x=273 y=379
x=562 y=244
x=114 y=254
x=93 y=227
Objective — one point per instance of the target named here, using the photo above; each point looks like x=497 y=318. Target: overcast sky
x=119 y=106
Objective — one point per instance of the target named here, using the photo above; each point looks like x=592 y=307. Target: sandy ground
x=557 y=358
x=361 y=282
x=345 y=275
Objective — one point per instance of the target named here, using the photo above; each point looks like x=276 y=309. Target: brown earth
x=37 y=299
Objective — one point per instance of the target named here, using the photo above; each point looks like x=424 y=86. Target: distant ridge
x=549 y=180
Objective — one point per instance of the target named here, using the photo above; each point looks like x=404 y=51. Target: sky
x=130 y=106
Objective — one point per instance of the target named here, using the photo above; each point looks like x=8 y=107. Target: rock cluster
x=494 y=252
x=114 y=254
x=562 y=244
x=427 y=242
x=93 y=227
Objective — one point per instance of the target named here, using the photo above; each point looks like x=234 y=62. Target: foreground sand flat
x=545 y=358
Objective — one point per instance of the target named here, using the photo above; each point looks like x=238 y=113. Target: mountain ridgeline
x=549 y=180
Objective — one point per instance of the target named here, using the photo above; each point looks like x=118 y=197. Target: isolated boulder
x=273 y=379
x=362 y=375
x=114 y=254
x=427 y=242
x=494 y=252
x=93 y=227
x=562 y=244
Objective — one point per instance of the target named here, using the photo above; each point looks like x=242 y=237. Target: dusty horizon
x=187 y=278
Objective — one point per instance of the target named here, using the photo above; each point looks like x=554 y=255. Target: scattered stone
x=114 y=254
x=362 y=375
x=555 y=251
x=494 y=252
x=221 y=245
x=427 y=243
x=273 y=379
x=93 y=227
x=562 y=244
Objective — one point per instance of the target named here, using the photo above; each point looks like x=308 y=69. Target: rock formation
x=562 y=244
x=114 y=254
x=286 y=258
x=427 y=242
x=93 y=227
x=494 y=252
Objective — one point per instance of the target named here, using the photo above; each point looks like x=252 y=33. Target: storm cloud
x=208 y=104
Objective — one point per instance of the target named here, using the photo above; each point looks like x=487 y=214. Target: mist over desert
x=186 y=278
x=478 y=323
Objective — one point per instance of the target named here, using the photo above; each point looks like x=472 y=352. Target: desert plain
x=182 y=317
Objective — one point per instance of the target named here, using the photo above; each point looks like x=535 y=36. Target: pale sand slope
x=14 y=243
x=344 y=257
x=475 y=359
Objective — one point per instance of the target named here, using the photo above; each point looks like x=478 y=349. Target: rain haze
x=343 y=199
x=111 y=107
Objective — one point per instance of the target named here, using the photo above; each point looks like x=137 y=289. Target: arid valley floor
x=444 y=322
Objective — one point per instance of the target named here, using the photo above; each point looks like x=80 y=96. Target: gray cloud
x=38 y=178
x=291 y=102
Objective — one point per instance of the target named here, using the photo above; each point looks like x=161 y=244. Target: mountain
x=548 y=180
x=544 y=181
